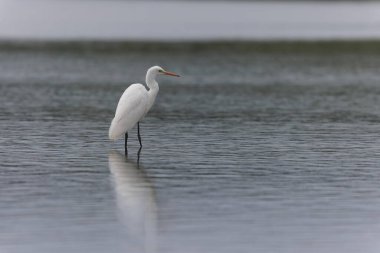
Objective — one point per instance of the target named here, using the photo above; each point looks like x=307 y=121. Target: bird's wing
x=130 y=109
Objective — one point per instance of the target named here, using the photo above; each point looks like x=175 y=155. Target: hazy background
x=187 y=20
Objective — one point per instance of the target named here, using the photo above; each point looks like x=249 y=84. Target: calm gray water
x=254 y=149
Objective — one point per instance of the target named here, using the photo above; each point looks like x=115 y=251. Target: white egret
x=134 y=104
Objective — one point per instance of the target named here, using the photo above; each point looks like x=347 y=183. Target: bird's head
x=157 y=70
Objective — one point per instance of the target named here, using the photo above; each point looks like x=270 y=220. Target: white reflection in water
x=136 y=201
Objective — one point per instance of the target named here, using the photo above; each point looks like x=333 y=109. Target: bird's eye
x=160 y=70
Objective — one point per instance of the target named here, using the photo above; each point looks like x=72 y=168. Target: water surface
x=261 y=150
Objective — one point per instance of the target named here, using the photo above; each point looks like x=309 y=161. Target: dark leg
x=138 y=157
x=125 y=145
x=138 y=133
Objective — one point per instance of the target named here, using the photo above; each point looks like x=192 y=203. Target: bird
x=134 y=104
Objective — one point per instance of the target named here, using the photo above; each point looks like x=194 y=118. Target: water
x=256 y=148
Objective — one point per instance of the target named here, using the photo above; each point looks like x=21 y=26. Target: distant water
x=256 y=148
x=188 y=20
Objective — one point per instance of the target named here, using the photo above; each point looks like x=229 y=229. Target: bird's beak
x=170 y=73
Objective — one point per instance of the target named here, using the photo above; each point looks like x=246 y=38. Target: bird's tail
x=113 y=134
x=119 y=127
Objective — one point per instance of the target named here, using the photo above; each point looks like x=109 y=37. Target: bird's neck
x=153 y=89
x=151 y=81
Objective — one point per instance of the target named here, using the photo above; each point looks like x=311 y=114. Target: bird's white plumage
x=135 y=102
x=131 y=109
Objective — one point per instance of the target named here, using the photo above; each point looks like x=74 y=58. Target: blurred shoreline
x=301 y=46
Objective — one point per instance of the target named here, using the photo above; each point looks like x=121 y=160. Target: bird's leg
x=138 y=157
x=138 y=133
x=125 y=145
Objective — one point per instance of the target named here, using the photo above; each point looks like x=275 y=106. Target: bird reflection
x=136 y=201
